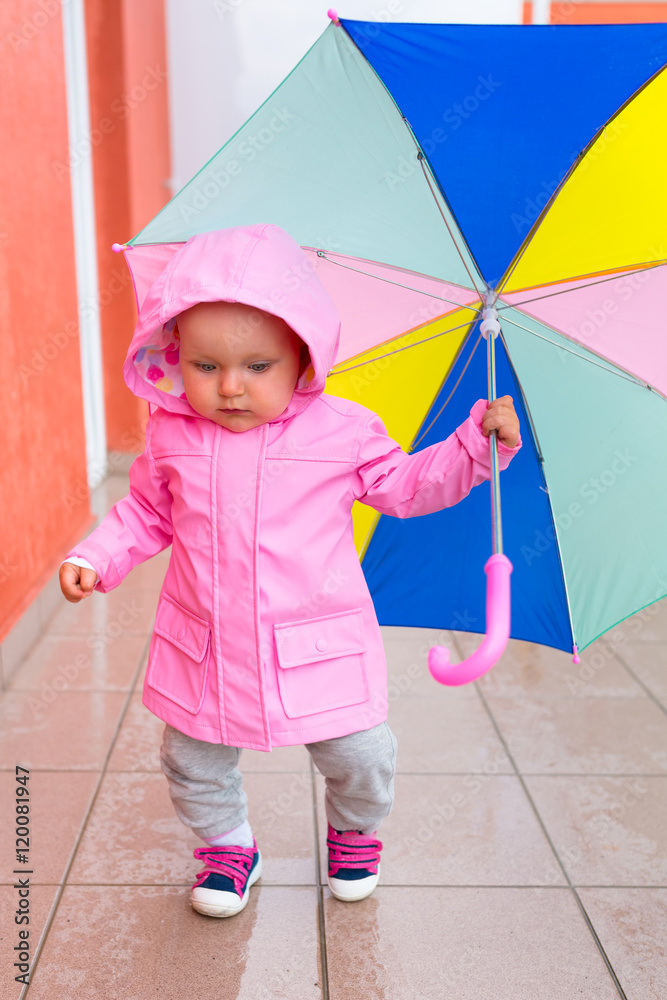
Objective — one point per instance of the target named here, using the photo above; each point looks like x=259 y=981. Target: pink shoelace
x=352 y=850
x=233 y=862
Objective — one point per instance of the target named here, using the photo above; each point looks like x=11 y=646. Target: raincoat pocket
x=321 y=663
x=180 y=652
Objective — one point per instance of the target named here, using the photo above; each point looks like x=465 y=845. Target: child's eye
x=259 y=366
x=203 y=367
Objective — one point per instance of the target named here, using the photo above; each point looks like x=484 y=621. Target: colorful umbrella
x=433 y=171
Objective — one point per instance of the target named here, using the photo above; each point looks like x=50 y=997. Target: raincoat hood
x=260 y=266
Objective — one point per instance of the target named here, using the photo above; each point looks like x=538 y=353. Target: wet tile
x=134 y=826
x=127 y=942
x=647 y=625
x=608 y=831
x=632 y=927
x=527 y=668
x=584 y=735
x=148 y=575
x=62 y=663
x=648 y=661
x=407 y=663
x=460 y=830
x=137 y=747
x=71 y=732
x=102 y=618
x=113 y=488
x=57 y=804
x=447 y=733
x=40 y=901
x=467 y=943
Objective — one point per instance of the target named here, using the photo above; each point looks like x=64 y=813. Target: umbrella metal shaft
x=490 y=321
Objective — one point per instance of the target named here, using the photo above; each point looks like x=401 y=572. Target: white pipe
x=541 y=11
x=85 y=244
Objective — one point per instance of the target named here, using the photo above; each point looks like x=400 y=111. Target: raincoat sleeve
x=136 y=528
x=402 y=485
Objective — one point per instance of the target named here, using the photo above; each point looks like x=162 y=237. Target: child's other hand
x=76 y=582
x=501 y=416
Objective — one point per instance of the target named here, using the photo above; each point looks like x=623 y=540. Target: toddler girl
x=250 y=473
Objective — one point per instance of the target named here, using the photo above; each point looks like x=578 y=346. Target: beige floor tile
x=71 y=732
x=137 y=747
x=527 y=669
x=127 y=942
x=447 y=733
x=57 y=804
x=40 y=900
x=134 y=827
x=102 y=618
x=65 y=663
x=110 y=491
x=459 y=830
x=648 y=625
x=608 y=831
x=463 y=943
x=148 y=575
x=632 y=927
x=407 y=663
x=584 y=735
x=648 y=661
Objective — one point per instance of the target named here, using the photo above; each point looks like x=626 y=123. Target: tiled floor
x=526 y=857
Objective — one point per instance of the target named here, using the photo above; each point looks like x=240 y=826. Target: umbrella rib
x=614 y=370
x=427 y=429
x=408 y=288
x=617 y=275
x=422 y=160
x=399 y=349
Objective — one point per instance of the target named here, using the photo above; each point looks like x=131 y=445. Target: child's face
x=239 y=364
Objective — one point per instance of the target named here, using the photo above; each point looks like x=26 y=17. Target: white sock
x=240 y=836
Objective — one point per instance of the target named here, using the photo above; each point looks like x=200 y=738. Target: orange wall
x=43 y=496
x=44 y=503
x=573 y=12
x=130 y=147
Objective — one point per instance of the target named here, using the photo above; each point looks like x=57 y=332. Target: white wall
x=226 y=56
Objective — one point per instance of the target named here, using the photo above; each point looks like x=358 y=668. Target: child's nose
x=230 y=384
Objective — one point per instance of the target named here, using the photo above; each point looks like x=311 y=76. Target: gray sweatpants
x=206 y=790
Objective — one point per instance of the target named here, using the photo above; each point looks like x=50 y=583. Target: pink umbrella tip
x=333 y=15
x=575 y=657
x=117 y=247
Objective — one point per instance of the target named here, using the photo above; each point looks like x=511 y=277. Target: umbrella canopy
x=426 y=170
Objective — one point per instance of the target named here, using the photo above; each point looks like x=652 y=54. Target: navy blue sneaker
x=221 y=890
x=354 y=864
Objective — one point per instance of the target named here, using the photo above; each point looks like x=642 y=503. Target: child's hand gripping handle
x=497 y=569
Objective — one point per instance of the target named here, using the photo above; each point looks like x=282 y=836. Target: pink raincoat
x=265 y=633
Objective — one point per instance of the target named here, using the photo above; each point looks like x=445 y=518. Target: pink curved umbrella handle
x=497 y=569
